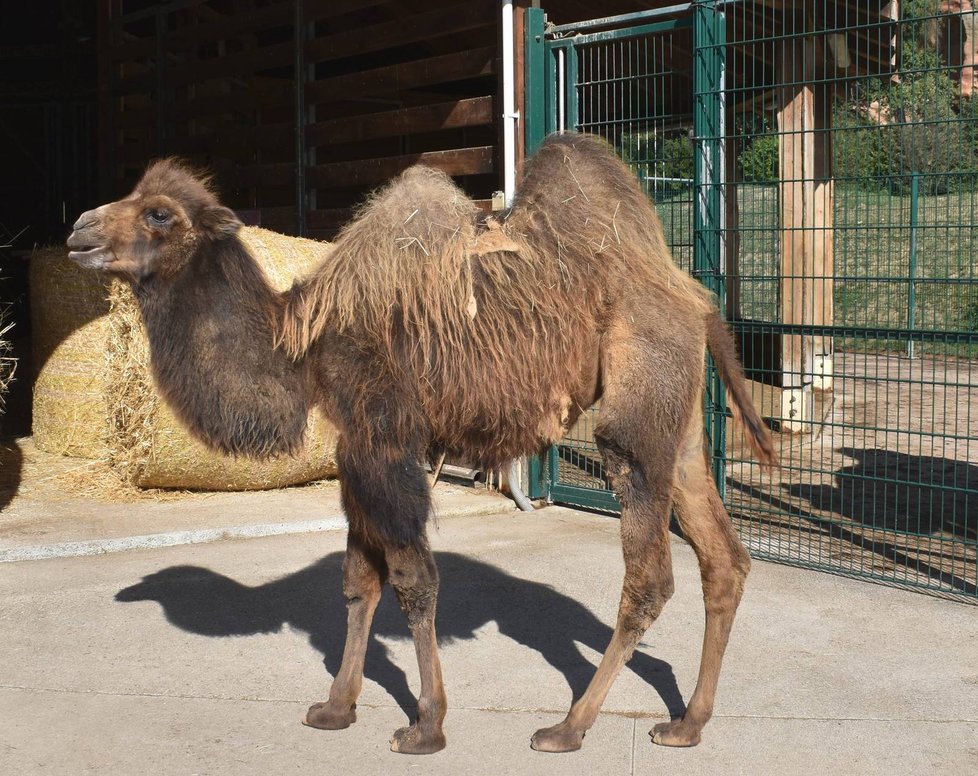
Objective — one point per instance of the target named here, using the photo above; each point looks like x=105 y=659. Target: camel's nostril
x=85 y=220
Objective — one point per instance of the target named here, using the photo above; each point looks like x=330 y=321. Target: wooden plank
x=263 y=136
x=399 y=32
x=255 y=96
x=241 y=63
x=363 y=172
x=476 y=111
x=325 y=222
x=279 y=174
x=315 y=10
x=226 y=27
x=409 y=75
x=519 y=66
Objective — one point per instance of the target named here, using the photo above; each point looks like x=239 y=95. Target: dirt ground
x=886 y=483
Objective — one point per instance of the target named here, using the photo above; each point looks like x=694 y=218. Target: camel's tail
x=724 y=352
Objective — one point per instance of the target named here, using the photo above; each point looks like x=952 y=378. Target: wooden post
x=796 y=159
x=823 y=260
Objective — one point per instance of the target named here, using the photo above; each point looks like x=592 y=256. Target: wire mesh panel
x=843 y=196
x=850 y=232
x=632 y=87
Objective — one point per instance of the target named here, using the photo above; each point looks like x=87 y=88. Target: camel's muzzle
x=90 y=247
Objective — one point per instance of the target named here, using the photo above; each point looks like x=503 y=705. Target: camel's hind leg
x=639 y=433
x=724 y=564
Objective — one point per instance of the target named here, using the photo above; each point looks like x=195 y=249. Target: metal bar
x=534 y=119
x=708 y=64
x=621 y=20
x=592 y=498
x=912 y=268
x=624 y=34
x=860 y=332
x=571 y=116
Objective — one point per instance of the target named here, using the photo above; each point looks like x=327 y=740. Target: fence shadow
x=895 y=491
x=201 y=601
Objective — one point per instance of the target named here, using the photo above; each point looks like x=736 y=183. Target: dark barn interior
x=298 y=107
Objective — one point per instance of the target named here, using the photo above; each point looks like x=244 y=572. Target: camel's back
x=581 y=204
x=495 y=330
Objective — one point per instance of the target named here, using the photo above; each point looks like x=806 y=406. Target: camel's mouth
x=90 y=257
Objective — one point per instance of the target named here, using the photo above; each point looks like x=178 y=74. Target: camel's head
x=155 y=230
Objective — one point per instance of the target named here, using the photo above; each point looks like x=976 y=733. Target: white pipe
x=510 y=114
x=515 y=489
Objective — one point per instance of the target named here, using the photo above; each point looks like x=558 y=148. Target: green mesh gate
x=818 y=169
x=620 y=83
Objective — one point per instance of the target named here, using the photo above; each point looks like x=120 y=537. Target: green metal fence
x=818 y=169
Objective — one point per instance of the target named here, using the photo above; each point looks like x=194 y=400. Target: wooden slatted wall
x=300 y=106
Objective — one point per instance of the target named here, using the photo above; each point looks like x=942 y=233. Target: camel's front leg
x=387 y=501
x=414 y=577
x=364 y=572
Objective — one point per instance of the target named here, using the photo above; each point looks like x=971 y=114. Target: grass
x=871 y=242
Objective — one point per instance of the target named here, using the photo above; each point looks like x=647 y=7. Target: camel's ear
x=219 y=221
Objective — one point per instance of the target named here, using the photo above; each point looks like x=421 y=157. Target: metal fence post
x=535 y=86
x=912 y=268
x=708 y=128
x=535 y=130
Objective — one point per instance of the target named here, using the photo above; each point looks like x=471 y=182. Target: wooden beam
x=796 y=160
x=823 y=260
x=476 y=111
x=408 y=75
x=400 y=32
x=366 y=172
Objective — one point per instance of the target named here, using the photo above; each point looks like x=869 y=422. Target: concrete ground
x=202 y=657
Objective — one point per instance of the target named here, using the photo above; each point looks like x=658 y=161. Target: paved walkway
x=202 y=658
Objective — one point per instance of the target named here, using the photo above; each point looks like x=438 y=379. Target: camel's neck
x=211 y=344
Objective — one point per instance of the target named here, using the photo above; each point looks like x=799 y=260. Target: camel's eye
x=158 y=217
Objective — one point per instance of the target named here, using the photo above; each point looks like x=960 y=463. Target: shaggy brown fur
x=426 y=327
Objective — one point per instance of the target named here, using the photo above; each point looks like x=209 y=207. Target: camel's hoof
x=326 y=717
x=559 y=738
x=413 y=740
x=675 y=734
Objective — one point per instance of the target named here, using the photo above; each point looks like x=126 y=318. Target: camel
x=430 y=326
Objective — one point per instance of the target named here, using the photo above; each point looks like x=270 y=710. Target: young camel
x=429 y=327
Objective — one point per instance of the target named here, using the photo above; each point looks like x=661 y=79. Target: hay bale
x=143 y=441
x=69 y=332
x=8 y=364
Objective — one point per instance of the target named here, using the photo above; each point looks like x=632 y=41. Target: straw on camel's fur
x=425 y=327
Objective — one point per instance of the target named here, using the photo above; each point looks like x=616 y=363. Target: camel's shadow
x=201 y=601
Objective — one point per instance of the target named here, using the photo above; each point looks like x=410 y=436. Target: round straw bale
x=95 y=397
x=69 y=333
x=149 y=448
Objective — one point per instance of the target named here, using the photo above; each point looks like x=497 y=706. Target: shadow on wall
x=198 y=600
x=895 y=491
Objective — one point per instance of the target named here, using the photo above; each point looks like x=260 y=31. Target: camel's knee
x=414 y=577
x=724 y=576
x=361 y=582
x=642 y=599
x=623 y=472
